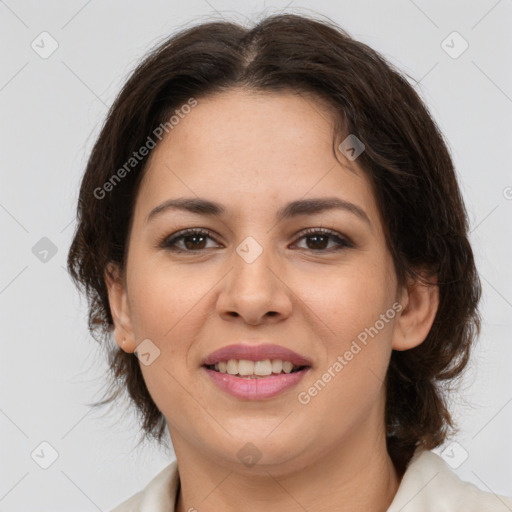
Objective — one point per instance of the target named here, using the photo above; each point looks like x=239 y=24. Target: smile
x=255 y=369
x=254 y=387
x=255 y=372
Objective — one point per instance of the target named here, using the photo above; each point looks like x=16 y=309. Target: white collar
x=430 y=485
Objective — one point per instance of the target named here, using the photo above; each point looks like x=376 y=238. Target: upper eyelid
x=301 y=234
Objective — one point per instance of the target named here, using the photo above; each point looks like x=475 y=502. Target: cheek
x=350 y=300
x=356 y=307
x=170 y=306
x=160 y=297
x=165 y=307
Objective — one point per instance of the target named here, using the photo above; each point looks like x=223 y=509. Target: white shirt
x=428 y=485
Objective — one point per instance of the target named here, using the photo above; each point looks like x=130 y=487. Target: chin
x=260 y=455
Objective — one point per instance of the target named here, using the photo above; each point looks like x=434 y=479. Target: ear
x=119 y=308
x=420 y=302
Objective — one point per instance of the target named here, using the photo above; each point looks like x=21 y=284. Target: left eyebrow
x=318 y=205
x=293 y=209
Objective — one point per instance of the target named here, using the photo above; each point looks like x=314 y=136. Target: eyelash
x=169 y=242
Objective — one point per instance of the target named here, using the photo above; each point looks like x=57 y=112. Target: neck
x=354 y=478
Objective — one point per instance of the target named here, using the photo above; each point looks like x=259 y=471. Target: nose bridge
x=253 y=263
x=253 y=287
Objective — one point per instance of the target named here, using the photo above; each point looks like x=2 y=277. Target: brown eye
x=194 y=240
x=318 y=240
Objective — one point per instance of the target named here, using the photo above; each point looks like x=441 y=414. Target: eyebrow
x=293 y=209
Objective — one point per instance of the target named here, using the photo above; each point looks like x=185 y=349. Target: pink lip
x=255 y=389
x=256 y=353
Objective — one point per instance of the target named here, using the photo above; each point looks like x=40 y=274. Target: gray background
x=51 y=112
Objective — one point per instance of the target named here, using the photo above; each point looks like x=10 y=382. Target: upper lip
x=256 y=353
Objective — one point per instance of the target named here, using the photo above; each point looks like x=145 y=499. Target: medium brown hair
x=405 y=158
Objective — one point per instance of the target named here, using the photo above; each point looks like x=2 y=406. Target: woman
x=271 y=229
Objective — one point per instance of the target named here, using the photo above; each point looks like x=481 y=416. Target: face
x=316 y=281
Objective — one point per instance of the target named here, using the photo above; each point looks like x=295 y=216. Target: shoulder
x=429 y=484
x=159 y=495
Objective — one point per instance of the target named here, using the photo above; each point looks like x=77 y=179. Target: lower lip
x=255 y=389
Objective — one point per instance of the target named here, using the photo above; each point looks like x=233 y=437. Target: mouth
x=247 y=369
x=255 y=372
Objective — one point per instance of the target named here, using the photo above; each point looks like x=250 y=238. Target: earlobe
x=119 y=308
x=420 y=307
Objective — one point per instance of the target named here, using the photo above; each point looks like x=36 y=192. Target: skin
x=253 y=153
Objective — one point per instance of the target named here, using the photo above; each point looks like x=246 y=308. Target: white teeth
x=277 y=366
x=246 y=368
x=287 y=366
x=263 y=367
x=232 y=367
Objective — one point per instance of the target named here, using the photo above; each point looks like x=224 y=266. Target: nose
x=254 y=291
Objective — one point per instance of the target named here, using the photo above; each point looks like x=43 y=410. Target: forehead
x=253 y=150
